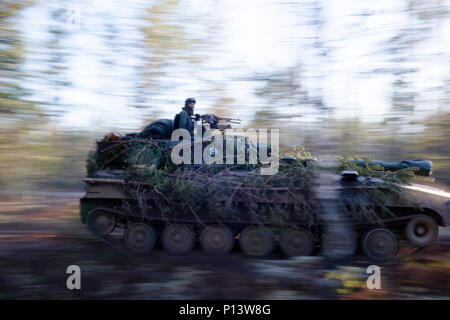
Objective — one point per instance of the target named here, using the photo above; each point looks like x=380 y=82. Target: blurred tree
x=32 y=149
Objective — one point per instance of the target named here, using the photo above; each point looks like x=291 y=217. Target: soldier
x=183 y=119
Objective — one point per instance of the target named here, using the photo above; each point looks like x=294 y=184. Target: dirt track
x=40 y=238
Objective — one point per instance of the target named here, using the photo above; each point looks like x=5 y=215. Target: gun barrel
x=228 y=119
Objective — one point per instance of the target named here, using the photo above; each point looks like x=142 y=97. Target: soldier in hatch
x=183 y=119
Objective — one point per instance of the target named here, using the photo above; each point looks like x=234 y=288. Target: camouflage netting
x=375 y=188
x=225 y=193
x=234 y=192
x=114 y=151
x=221 y=192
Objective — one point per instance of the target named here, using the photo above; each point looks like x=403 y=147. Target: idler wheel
x=380 y=244
x=101 y=222
x=256 y=241
x=338 y=244
x=297 y=242
x=178 y=238
x=216 y=240
x=140 y=237
x=422 y=231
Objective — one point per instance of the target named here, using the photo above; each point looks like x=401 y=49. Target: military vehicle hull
x=333 y=213
x=330 y=227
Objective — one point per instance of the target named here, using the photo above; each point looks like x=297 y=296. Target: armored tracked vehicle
x=308 y=207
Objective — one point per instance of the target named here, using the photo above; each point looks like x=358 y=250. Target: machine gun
x=214 y=120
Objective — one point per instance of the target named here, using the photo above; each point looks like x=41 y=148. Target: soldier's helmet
x=189 y=100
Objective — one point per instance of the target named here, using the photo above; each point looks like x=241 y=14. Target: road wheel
x=297 y=242
x=422 y=231
x=338 y=244
x=380 y=244
x=140 y=237
x=178 y=238
x=101 y=222
x=216 y=240
x=256 y=241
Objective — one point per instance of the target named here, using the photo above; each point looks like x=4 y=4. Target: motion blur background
x=368 y=78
